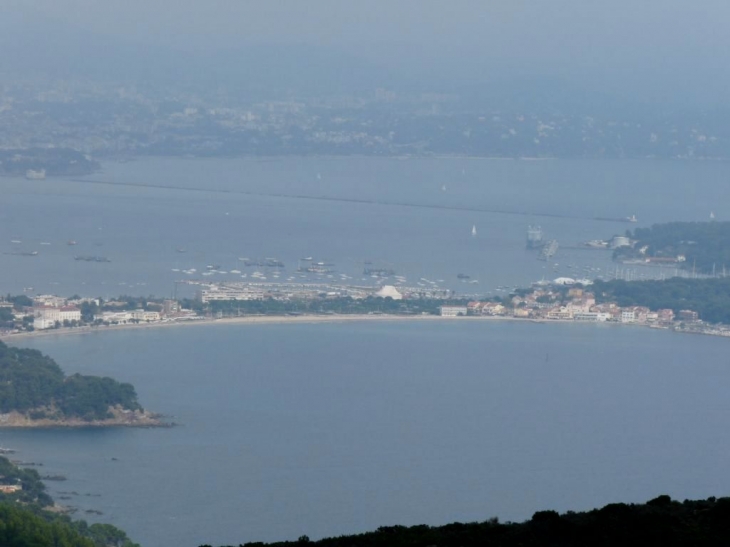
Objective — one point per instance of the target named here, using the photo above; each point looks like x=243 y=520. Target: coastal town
x=543 y=302
x=578 y=304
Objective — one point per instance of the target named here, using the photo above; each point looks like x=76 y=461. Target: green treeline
x=33 y=492
x=33 y=383
x=26 y=522
x=708 y=297
x=340 y=305
x=660 y=521
x=22 y=528
x=705 y=245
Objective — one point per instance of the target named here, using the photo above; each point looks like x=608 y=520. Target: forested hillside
x=710 y=298
x=704 y=245
x=33 y=383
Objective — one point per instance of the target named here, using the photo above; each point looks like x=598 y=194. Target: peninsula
x=35 y=392
x=702 y=248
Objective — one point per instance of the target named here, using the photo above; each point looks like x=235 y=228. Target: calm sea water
x=327 y=429
x=141 y=227
x=330 y=429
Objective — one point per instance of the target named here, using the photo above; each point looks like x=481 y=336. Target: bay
x=338 y=428
x=325 y=429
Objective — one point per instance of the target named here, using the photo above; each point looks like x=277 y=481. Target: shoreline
x=135 y=419
x=308 y=319
x=245 y=320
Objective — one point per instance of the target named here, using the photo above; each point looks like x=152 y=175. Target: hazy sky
x=659 y=43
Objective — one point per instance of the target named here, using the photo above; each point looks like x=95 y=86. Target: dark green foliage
x=90 y=397
x=706 y=245
x=664 y=522
x=31 y=381
x=21 y=528
x=342 y=305
x=6 y=317
x=708 y=297
x=88 y=311
x=20 y=301
x=55 y=529
x=33 y=492
x=104 y=535
x=28 y=379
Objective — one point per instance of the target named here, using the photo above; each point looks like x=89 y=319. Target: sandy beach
x=249 y=320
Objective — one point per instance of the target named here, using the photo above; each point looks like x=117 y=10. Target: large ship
x=534 y=237
x=550 y=248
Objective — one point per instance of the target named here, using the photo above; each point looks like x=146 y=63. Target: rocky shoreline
x=121 y=418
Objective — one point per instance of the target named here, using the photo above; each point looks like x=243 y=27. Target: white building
x=628 y=316
x=453 y=311
x=620 y=241
x=592 y=316
x=46 y=317
x=389 y=291
x=560 y=313
x=122 y=317
x=49 y=300
x=142 y=315
x=229 y=293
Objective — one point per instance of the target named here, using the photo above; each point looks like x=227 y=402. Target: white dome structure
x=564 y=281
x=389 y=291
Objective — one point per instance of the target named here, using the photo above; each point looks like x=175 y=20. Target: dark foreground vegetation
x=710 y=298
x=26 y=521
x=659 y=522
x=32 y=383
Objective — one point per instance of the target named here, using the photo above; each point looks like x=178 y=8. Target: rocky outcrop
x=120 y=418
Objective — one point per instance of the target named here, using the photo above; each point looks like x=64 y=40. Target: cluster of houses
x=50 y=311
x=579 y=305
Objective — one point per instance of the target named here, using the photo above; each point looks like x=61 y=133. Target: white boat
x=474 y=231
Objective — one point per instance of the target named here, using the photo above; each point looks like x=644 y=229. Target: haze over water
x=412 y=215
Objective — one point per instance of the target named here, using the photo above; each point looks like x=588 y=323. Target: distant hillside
x=710 y=298
x=705 y=246
x=34 y=389
x=659 y=522
x=54 y=161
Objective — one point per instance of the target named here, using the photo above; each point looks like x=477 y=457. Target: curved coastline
x=262 y=320
x=298 y=319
